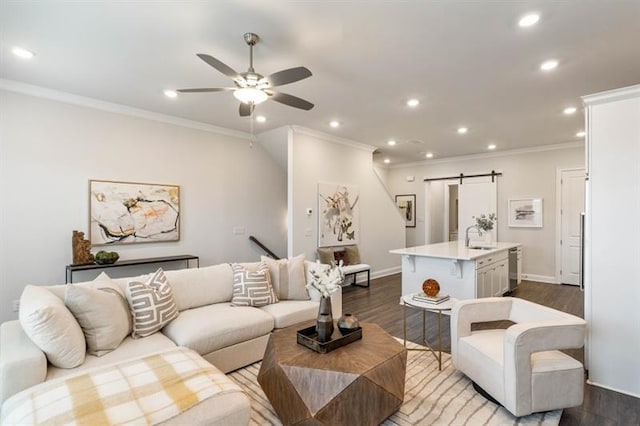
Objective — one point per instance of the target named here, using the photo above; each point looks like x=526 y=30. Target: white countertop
x=453 y=250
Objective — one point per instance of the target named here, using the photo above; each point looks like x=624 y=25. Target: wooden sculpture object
x=81 y=249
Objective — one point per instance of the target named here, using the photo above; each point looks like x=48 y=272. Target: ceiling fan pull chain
x=251 y=127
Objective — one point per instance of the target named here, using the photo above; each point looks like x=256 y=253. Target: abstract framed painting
x=130 y=213
x=407 y=205
x=338 y=217
x=525 y=213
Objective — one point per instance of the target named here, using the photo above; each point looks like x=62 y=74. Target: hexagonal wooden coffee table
x=361 y=383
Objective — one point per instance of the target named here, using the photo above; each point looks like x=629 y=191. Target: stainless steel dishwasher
x=513 y=268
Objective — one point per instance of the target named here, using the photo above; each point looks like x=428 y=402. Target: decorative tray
x=308 y=337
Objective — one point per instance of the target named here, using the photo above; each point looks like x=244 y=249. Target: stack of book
x=439 y=298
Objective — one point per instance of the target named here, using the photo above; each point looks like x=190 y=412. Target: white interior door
x=571 y=205
x=476 y=196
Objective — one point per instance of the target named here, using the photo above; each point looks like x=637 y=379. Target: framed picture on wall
x=129 y=213
x=525 y=213
x=339 y=214
x=406 y=203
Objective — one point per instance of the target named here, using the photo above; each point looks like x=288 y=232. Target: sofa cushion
x=151 y=304
x=209 y=328
x=288 y=277
x=252 y=288
x=103 y=315
x=51 y=326
x=196 y=287
x=290 y=312
x=129 y=348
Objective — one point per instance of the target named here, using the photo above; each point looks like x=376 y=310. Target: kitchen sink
x=481 y=248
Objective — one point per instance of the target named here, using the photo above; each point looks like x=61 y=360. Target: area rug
x=431 y=397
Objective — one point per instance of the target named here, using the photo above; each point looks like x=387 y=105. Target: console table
x=70 y=269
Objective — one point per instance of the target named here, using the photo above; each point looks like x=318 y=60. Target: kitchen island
x=462 y=272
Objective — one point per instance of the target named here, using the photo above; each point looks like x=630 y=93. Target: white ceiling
x=468 y=62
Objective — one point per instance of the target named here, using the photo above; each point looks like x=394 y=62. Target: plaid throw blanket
x=142 y=391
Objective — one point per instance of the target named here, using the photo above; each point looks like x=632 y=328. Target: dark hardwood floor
x=380 y=304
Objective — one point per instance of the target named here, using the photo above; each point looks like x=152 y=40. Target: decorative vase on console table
x=326 y=280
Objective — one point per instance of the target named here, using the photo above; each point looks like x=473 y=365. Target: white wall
x=49 y=151
x=525 y=174
x=315 y=158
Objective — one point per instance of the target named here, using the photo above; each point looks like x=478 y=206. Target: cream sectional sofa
x=227 y=336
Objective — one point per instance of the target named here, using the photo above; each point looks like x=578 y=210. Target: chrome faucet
x=466 y=234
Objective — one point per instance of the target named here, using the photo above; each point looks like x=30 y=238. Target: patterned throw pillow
x=252 y=288
x=152 y=304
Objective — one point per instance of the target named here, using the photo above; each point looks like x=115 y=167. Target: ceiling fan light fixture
x=250 y=95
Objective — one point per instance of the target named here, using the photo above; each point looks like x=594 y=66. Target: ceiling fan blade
x=290 y=100
x=246 y=109
x=220 y=66
x=210 y=89
x=290 y=75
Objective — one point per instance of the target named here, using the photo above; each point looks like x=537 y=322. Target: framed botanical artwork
x=407 y=205
x=525 y=213
x=338 y=214
x=129 y=213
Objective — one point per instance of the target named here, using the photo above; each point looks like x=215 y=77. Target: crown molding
x=69 y=98
x=612 y=95
x=334 y=139
x=506 y=153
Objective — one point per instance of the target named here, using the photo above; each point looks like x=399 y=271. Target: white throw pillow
x=151 y=304
x=288 y=277
x=51 y=327
x=252 y=288
x=103 y=315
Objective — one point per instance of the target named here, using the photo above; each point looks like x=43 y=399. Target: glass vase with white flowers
x=326 y=280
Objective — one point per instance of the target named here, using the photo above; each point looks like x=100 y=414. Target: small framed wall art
x=525 y=213
x=129 y=213
x=407 y=205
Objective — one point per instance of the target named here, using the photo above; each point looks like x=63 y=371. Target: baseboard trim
x=549 y=279
x=635 y=395
x=386 y=272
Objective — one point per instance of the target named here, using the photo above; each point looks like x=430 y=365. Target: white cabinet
x=492 y=275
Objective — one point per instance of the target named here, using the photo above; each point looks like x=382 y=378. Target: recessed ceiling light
x=549 y=65
x=413 y=103
x=569 y=110
x=334 y=124
x=491 y=146
x=391 y=142
x=170 y=93
x=387 y=161
x=261 y=118
x=580 y=134
x=23 y=53
x=462 y=130
x=529 y=20
x=429 y=155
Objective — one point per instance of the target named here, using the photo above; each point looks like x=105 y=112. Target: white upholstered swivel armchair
x=521 y=366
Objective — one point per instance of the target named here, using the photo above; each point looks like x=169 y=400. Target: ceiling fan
x=253 y=88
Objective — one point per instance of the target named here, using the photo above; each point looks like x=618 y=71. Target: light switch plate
x=238 y=230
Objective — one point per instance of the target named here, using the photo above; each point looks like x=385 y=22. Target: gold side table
x=407 y=302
